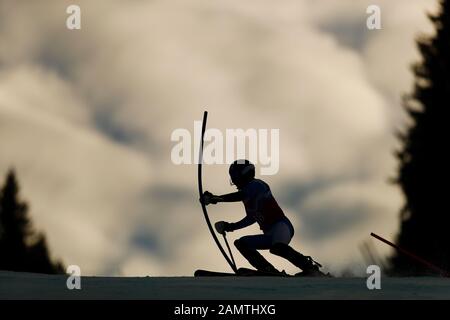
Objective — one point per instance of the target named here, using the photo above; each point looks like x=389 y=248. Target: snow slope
x=35 y=286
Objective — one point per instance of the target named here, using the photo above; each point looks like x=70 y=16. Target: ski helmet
x=241 y=172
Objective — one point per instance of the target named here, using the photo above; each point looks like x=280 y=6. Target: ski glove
x=222 y=227
x=208 y=198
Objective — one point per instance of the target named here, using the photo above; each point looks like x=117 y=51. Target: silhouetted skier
x=261 y=207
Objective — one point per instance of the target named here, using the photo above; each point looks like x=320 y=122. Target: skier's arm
x=230 y=197
x=247 y=221
x=222 y=226
x=209 y=198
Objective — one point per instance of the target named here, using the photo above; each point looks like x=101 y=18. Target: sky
x=86 y=118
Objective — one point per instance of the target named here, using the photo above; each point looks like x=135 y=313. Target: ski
x=241 y=272
x=246 y=272
x=207 y=273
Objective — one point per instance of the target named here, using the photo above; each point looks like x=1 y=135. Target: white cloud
x=138 y=70
x=79 y=184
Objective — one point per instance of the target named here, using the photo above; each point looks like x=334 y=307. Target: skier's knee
x=242 y=244
x=239 y=244
x=278 y=248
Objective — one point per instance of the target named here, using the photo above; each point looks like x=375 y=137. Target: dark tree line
x=21 y=247
x=424 y=161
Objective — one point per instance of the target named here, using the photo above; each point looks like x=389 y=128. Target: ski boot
x=310 y=268
x=307 y=264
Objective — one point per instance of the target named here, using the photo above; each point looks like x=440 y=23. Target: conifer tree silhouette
x=21 y=247
x=424 y=160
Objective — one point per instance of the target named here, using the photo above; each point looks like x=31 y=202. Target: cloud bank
x=86 y=118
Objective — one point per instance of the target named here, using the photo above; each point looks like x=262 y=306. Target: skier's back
x=260 y=207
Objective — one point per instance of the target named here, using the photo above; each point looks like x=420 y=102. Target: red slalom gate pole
x=413 y=256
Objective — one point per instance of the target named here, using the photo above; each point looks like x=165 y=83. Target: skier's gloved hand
x=222 y=227
x=208 y=198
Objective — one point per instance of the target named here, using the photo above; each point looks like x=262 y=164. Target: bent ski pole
x=200 y=192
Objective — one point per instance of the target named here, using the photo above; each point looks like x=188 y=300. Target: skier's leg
x=281 y=234
x=303 y=262
x=248 y=247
